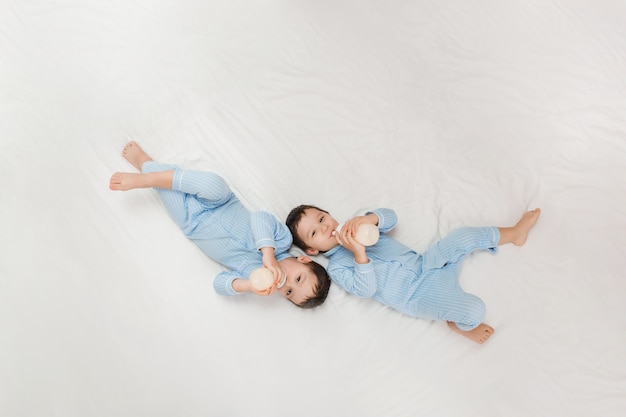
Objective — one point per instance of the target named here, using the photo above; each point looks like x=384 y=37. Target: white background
x=450 y=112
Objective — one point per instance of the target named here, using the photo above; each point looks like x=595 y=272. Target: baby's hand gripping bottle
x=366 y=235
x=262 y=278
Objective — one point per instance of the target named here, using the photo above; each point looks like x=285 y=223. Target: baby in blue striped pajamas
x=209 y=213
x=420 y=285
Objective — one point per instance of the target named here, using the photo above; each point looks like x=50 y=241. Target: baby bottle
x=262 y=278
x=367 y=234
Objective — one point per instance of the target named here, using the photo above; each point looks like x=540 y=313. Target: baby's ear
x=304 y=259
x=311 y=251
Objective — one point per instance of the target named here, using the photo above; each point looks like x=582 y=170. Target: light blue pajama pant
x=193 y=193
x=440 y=295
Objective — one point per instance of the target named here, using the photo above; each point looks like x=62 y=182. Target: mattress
x=451 y=113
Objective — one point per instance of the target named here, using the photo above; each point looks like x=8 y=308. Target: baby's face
x=301 y=281
x=316 y=229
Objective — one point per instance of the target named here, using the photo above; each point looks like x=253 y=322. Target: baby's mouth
x=282 y=281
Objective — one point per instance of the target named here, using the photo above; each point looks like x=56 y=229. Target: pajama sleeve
x=223 y=283
x=387 y=219
x=358 y=279
x=268 y=231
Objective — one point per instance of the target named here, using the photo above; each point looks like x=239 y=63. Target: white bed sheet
x=453 y=113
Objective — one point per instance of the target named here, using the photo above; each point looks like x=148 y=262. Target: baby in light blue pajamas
x=421 y=285
x=211 y=215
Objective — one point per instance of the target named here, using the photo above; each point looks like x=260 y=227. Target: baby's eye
x=288 y=292
x=321 y=219
x=298 y=279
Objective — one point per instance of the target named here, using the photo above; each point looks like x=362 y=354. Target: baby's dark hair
x=321 y=289
x=293 y=219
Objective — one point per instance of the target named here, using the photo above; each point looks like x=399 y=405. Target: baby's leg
x=190 y=193
x=454 y=247
x=160 y=177
x=517 y=234
x=208 y=187
x=184 y=193
x=478 y=334
x=440 y=297
x=124 y=181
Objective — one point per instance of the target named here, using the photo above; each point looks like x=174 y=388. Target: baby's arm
x=271 y=236
x=347 y=236
x=223 y=283
x=358 y=279
x=387 y=219
x=270 y=262
x=352 y=225
x=229 y=283
x=242 y=285
x=384 y=218
x=348 y=241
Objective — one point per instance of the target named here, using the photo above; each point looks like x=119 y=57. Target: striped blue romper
x=422 y=285
x=211 y=215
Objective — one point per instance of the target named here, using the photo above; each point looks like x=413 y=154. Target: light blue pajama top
x=392 y=274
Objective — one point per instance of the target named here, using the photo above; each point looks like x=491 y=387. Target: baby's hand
x=348 y=241
x=352 y=225
x=263 y=293
x=244 y=285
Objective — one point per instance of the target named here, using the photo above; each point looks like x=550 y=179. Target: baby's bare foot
x=135 y=155
x=524 y=225
x=517 y=234
x=124 y=181
x=479 y=334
